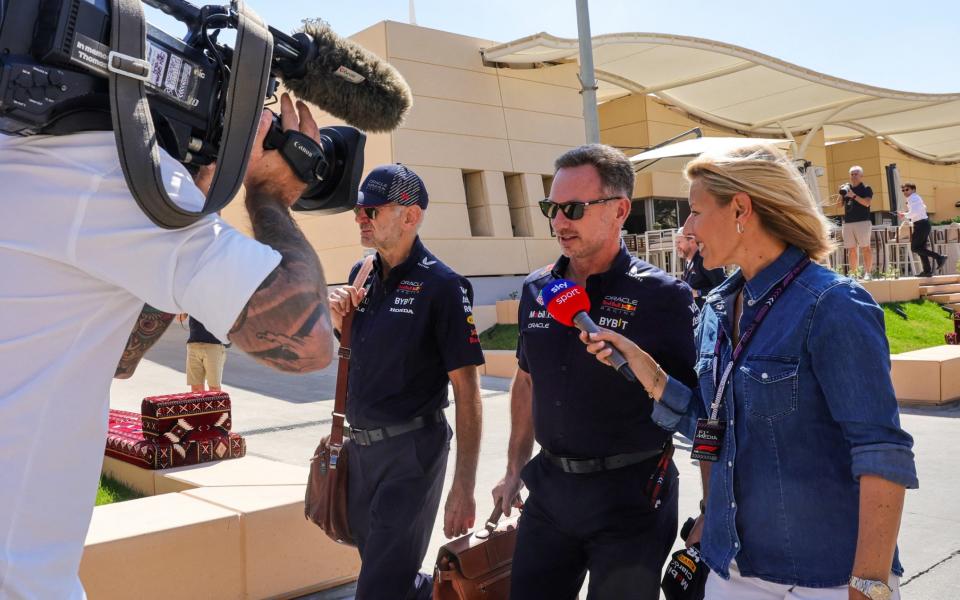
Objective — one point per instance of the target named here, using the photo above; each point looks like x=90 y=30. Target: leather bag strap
x=343 y=366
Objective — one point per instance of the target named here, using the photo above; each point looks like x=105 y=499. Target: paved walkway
x=284 y=416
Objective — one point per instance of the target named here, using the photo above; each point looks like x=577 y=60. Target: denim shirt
x=810 y=409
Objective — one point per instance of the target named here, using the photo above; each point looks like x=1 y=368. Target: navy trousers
x=597 y=522
x=394 y=494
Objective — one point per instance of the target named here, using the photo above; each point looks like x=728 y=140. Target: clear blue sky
x=909 y=45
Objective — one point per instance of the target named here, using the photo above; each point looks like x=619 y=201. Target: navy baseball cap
x=392 y=183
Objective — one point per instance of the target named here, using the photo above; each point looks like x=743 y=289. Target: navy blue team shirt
x=582 y=408
x=410 y=330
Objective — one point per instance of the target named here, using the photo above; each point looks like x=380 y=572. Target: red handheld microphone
x=569 y=304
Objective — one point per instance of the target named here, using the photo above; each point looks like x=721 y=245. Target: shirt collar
x=621 y=263
x=721 y=298
x=417 y=252
x=758 y=287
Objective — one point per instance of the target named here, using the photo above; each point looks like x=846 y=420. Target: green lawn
x=500 y=337
x=111 y=491
x=924 y=326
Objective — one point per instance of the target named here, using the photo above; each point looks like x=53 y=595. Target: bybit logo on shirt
x=613 y=323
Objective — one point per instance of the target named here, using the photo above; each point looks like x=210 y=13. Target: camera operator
x=856 y=221
x=79 y=260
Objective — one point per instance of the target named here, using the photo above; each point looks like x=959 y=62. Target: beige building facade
x=483 y=138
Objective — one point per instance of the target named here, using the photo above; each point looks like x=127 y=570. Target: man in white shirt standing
x=79 y=260
x=917 y=213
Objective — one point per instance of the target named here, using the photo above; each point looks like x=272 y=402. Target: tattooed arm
x=286 y=323
x=150 y=326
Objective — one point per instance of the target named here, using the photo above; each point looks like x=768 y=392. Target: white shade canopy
x=750 y=92
x=674 y=156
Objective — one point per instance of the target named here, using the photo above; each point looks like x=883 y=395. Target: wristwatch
x=875 y=590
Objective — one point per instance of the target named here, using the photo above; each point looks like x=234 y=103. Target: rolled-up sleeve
x=851 y=361
x=678 y=408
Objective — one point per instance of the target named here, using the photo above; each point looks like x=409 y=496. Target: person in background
x=700 y=280
x=917 y=214
x=794 y=418
x=856 y=197
x=206 y=356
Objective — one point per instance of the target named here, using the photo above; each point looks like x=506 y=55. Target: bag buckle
x=129 y=66
x=334 y=455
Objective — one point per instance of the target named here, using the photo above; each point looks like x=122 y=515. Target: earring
x=739 y=227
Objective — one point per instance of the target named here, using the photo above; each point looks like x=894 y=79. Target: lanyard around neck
x=748 y=334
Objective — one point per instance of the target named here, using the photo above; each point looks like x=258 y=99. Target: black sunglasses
x=571 y=210
x=370 y=211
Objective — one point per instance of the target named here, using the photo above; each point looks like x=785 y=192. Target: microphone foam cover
x=378 y=103
x=564 y=299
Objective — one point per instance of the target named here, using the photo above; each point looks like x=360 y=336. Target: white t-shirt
x=78 y=259
x=916 y=209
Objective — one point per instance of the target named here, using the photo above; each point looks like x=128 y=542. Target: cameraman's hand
x=204 y=177
x=267 y=173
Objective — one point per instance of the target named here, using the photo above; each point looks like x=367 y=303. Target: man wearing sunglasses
x=413 y=333
x=590 y=506
x=917 y=214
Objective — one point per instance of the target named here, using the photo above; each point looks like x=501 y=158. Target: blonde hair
x=779 y=193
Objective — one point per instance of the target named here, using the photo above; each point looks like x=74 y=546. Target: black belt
x=367 y=437
x=595 y=465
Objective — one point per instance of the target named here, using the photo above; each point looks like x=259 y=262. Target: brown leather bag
x=326 y=499
x=478 y=564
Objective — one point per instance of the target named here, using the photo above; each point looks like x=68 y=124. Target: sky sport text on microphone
x=569 y=304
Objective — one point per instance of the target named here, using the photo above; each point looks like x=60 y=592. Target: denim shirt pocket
x=770 y=385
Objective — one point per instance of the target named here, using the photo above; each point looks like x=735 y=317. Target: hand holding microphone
x=569 y=304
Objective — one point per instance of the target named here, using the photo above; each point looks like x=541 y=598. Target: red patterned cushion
x=177 y=416
x=126 y=442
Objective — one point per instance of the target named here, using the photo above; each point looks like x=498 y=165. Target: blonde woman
x=794 y=418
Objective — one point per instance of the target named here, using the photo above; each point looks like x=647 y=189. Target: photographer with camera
x=856 y=221
x=80 y=259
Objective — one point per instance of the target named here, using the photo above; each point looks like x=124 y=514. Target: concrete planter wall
x=231 y=529
x=507 y=311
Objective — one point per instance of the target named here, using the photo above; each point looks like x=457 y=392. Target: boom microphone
x=346 y=80
x=569 y=304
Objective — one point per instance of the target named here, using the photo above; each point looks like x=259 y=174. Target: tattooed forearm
x=286 y=323
x=149 y=327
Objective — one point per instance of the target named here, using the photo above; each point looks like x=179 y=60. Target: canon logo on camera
x=303 y=149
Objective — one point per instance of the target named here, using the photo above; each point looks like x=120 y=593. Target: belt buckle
x=360 y=436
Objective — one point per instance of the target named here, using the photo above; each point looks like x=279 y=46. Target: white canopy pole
x=588 y=82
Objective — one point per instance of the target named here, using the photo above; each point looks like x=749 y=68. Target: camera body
x=54 y=81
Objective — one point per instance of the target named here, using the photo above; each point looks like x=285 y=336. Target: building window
x=519 y=214
x=547 y=183
x=668 y=213
x=637 y=219
x=478 y=207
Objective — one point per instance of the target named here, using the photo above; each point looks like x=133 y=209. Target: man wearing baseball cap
x=413 y=333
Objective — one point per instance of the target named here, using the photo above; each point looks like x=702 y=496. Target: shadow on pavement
x=243 y=372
